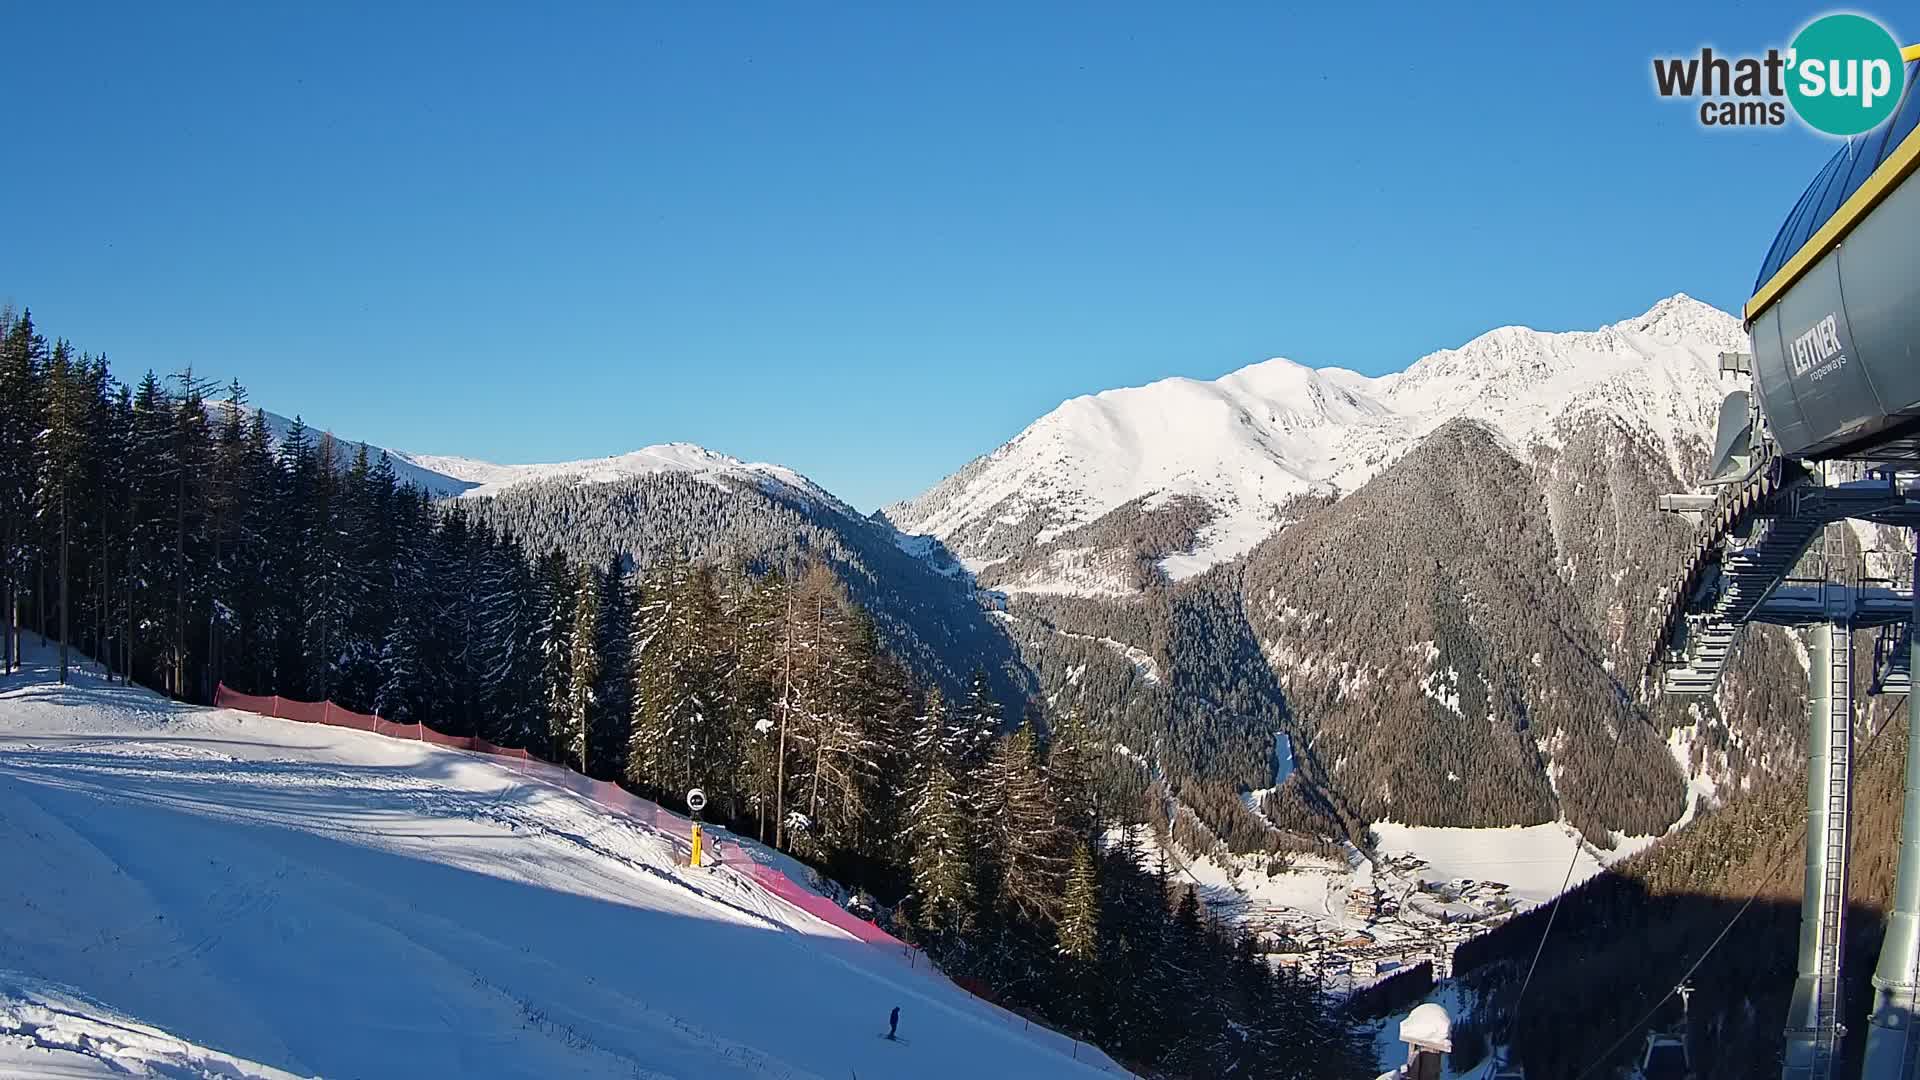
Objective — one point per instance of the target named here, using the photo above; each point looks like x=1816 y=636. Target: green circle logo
x=1845 y=74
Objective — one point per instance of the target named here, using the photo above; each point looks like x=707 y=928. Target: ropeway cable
x=1765 y=880
x=1553 y=912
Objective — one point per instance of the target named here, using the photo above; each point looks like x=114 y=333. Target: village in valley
x=1352 y=919
x=1394 y=919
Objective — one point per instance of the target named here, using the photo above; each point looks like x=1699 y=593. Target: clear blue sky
x=867 y=241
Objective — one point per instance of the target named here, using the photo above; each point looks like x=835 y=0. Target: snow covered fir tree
x=161 y=531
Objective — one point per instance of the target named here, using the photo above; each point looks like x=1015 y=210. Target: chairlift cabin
x=1666 y=1059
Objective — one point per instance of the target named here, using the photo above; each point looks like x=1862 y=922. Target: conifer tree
x=583 y=669
x=975 y=722
x=226 y=499
x=401 y=682
x=256 y=602
x=191 y=454
x=1070 y=755
x=554 y=597
x=1080 y=908
x=63 y=448
x=754 y=694
x=1024 y=847
x=509 y=623
x=21 y=351
x=613 y=693
x=326 y=580
x=456 y=654
x=290 y=530
x=943 y=861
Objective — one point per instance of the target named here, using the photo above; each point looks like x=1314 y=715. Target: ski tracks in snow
x=229 y=897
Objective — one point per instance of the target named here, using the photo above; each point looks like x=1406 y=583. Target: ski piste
x=427 y=912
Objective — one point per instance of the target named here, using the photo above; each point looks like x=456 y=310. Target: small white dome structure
x=1428 y=1027
x=1428 y=1033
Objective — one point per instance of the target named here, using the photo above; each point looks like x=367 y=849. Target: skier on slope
x=893 y=1022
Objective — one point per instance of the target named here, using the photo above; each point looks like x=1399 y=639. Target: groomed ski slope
x=198 y=892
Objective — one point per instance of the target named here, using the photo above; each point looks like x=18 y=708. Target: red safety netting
x=307 y=712
x=347 y=718
x=485 y=747
x=227 y=699
x=611 y=796
x=619 y=800
x=458 y=742
x=779 y=884
x=397 y=731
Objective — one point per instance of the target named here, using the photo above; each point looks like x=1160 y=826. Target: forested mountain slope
x=1624 y=939
x=1454 y=639
x=1458 y=639
x=1461 y=640
x=929 y=619
x=1436 y=599
x=147 y=534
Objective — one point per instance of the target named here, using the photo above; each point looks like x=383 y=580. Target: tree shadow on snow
x=318 y=952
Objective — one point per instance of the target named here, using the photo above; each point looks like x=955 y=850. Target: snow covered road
x=329 y=902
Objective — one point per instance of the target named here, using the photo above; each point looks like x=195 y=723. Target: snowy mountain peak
x=487 y=478
x=451 y=475
x=1678 y=317
x=1245 y=442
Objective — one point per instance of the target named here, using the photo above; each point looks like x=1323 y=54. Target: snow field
x=232 y=895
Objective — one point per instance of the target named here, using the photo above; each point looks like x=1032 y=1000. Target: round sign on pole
x=696 y=800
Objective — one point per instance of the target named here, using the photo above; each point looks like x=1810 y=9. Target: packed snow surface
x=1246 y=442
x=47 y=1030
x=197 y=892
x=1531 y=861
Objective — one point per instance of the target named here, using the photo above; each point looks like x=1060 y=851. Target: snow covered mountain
x=448 y=475
x=404 y=467
x=691 y=501
x=486 y=479
x=1246 y=443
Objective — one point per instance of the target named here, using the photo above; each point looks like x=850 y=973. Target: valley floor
x=196 y=892
x=1351 y=921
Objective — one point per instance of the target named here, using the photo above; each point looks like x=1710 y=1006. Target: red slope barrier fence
x=611 y=796
x=619 y=800
x=326 y=712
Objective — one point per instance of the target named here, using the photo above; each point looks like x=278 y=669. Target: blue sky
x=869 y=241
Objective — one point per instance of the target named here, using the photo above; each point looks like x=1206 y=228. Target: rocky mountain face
x=1460 y=641
x=1441 y=584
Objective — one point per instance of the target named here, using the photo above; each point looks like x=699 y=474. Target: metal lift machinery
x=1827 y=430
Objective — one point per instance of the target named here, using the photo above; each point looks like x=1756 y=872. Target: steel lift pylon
x=1759 y=527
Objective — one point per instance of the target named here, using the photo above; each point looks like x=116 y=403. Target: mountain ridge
x=1238 y=512
x=1246 y=442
